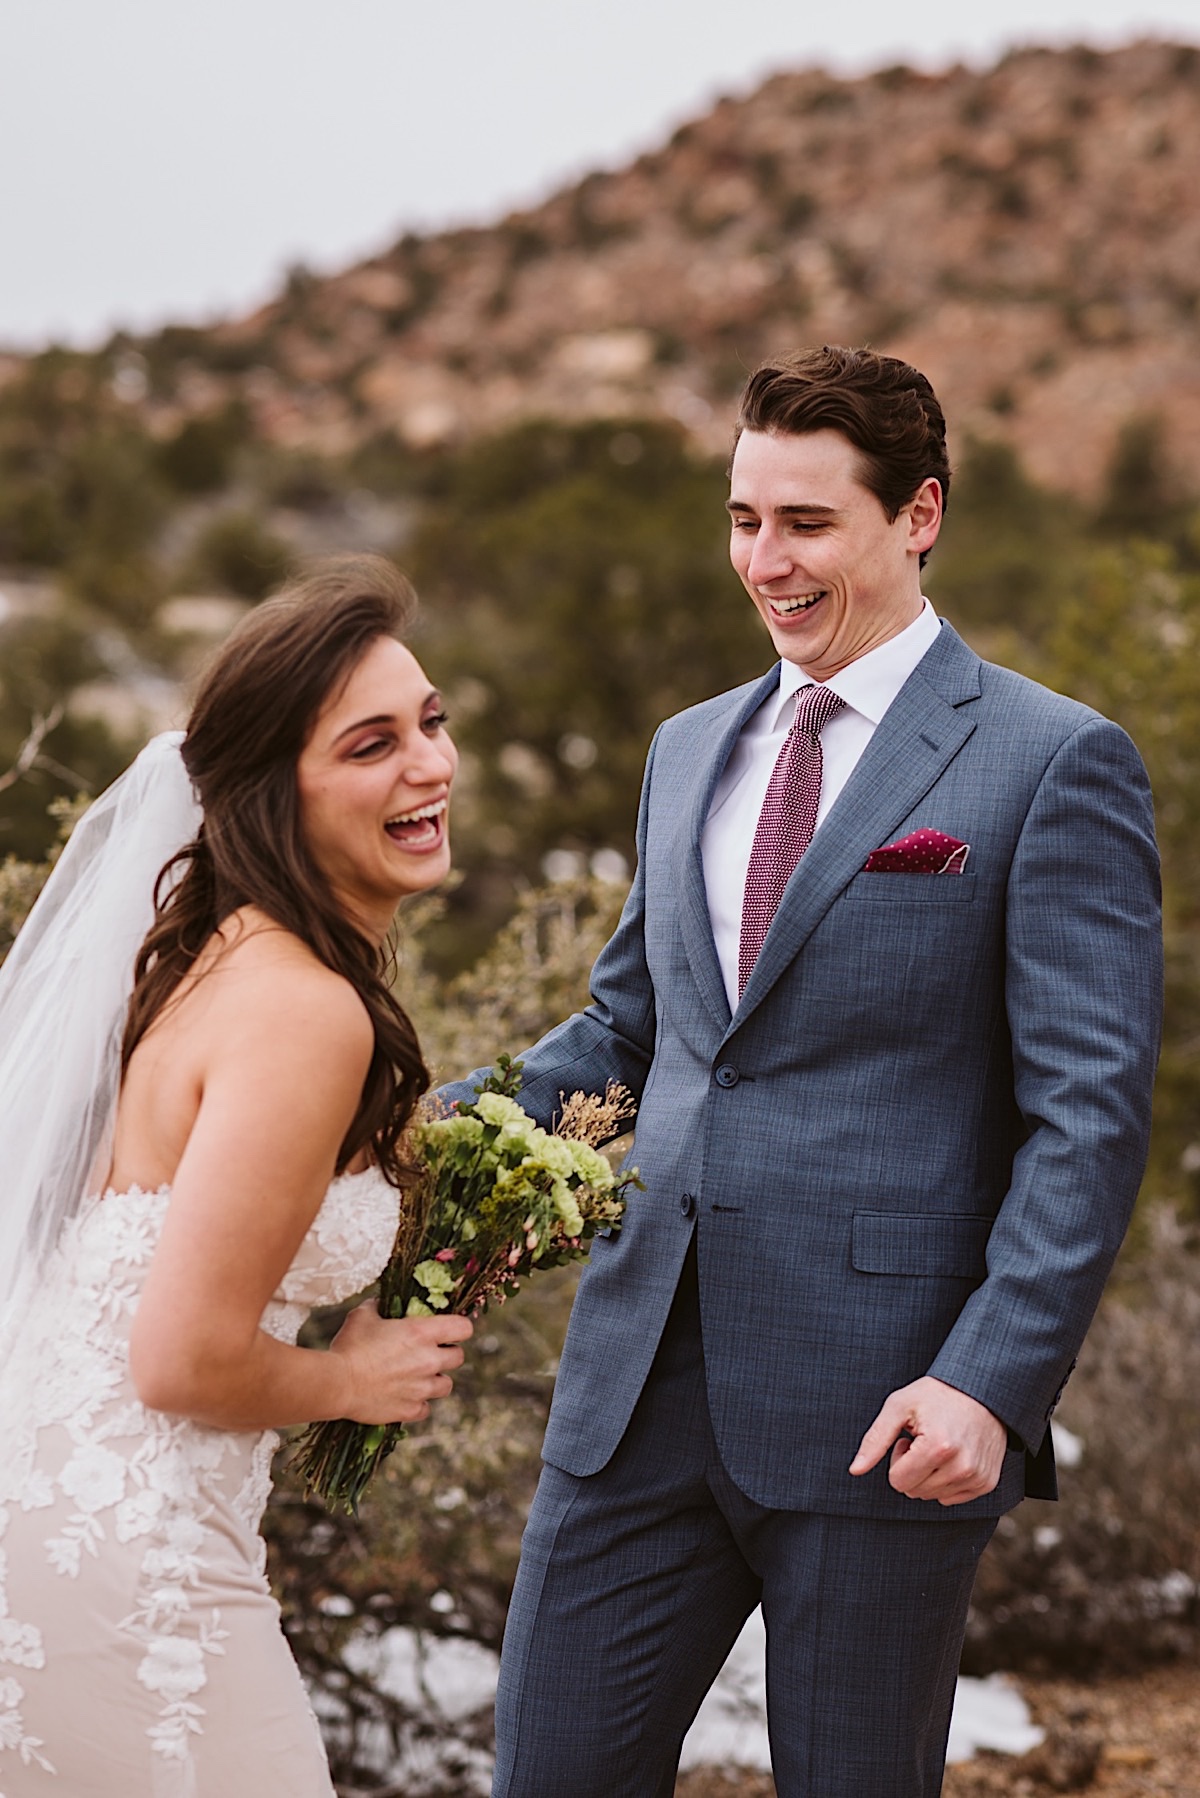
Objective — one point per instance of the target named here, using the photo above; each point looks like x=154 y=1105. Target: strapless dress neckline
x=136 y=1191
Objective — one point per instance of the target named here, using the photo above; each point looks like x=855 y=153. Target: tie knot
x=815 y=706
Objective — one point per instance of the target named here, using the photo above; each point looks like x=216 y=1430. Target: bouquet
x=493 y=1197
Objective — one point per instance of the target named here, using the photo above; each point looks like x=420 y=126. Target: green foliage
x=577 y=590
x=1009 y=551
x=1144 y=494
x=177 y=347
x=237 y=554
x=45 y=750
x=199 y=457
x=533 y=973
x=1126 y=641
x=20 y=884
x=78 y=484
x=22 y=881
x=301 y=481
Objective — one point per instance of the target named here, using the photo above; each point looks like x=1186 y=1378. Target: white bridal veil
x=64 y=989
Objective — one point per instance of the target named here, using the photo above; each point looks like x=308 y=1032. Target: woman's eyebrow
x=433 y=697
x=362 y=723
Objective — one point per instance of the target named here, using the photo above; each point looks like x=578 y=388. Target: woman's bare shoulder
x=265 y=982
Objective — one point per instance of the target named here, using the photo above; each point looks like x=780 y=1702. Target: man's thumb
x=890 y=1423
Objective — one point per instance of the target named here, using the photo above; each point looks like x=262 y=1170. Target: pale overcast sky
x=165 y=159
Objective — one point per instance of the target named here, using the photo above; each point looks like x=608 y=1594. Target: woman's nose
x=434 y=762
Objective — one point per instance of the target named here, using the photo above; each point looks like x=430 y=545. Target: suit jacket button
x=727 y=1074
x=687 y=1203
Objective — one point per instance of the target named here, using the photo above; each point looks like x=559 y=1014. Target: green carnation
x=590 y=1165
x=555 y=1154
x=567 y=1207
x=494 y=1108
x=437 y=1280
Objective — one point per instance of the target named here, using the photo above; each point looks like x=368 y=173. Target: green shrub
x=236 y=554
x=199 y=457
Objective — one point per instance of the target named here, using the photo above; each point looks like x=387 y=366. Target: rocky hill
x=1029 y=235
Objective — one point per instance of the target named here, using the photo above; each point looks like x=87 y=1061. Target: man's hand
x=947 y=1445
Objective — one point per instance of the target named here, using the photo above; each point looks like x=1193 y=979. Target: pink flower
x=445 y=1254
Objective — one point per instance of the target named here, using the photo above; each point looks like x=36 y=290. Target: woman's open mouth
x=422 y=829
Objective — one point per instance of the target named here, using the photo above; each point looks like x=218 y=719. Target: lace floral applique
x=20 y=1646
x=12 y=1732
x=119 y=1473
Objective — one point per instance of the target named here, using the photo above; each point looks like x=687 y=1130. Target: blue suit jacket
x=915 y=1145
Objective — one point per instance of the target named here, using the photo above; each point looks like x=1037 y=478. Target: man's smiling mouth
x=790 y=608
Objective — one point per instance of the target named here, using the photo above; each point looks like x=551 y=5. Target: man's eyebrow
x=807 y=510
x=433 y=697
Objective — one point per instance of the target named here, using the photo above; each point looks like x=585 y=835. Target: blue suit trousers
x=635 y=1582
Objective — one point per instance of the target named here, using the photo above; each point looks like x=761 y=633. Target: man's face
x=830 y=577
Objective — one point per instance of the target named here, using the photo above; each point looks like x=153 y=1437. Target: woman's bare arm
x=286 y=1047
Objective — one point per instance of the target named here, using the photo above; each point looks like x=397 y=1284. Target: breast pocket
x=912 y=889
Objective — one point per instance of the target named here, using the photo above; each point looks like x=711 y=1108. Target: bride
x=239 y=1085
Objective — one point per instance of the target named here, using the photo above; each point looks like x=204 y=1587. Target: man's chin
x=809 y=651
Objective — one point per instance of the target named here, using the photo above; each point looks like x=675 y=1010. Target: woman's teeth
x=418 y=824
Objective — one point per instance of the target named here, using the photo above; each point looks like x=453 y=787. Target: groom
x=887 y=989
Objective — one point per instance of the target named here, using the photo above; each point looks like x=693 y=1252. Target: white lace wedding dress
x=140 y=1648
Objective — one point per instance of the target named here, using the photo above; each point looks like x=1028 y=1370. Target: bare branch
x=29 y=756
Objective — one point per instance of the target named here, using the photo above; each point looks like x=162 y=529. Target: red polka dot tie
x=786 y=822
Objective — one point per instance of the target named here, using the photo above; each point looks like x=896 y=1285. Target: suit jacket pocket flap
x=904 y=1242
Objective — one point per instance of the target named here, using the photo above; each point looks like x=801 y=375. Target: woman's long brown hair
x=256 y=706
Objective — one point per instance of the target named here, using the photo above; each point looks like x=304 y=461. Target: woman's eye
x=437 y=721
x=365 y=751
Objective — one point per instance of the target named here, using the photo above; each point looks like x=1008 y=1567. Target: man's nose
x=769 y=558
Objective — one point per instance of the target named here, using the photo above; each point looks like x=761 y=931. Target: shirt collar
x=870 y=684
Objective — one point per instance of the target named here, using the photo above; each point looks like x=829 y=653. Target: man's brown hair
x=884 y=407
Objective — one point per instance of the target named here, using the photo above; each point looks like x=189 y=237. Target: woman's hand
x=396 y=1367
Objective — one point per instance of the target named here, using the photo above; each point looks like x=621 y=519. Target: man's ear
x=924 y=513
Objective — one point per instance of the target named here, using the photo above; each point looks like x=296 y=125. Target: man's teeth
x=424 y=811
x=787 y=607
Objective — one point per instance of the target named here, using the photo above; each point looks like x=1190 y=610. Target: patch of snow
x=990 y=1713
x=731 y=1727
x=444 y=1673
x=457 y=1677
x=1068 y=1447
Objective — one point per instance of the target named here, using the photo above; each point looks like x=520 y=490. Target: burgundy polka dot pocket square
x=922 y=852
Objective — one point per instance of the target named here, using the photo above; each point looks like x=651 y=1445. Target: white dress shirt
x=868 y=687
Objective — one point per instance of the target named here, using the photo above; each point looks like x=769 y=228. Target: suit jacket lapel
x=711 y=754
x=918 y=736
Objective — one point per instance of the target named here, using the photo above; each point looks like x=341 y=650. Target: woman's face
x=374 y=784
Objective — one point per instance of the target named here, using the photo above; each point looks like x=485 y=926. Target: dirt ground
x=1130 y=1738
